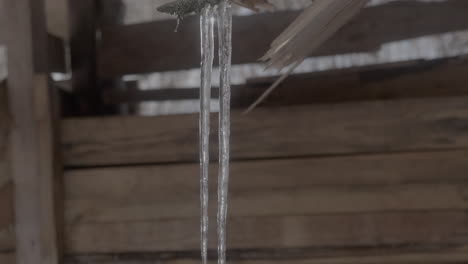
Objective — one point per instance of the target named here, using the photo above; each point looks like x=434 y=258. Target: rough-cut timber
x=154 y=46
x=32 y=137
x=446 y=255
x=347 y=128
x=392 y=199
x=424 y=229
x=412 y=79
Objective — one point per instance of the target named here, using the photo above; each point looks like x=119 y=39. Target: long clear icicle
x=207 y=53
x=225 y=54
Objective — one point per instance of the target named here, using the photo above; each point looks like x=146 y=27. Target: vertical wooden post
x=82 y=15
x=33 y=156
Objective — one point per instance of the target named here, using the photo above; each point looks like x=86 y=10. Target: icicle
x=225 y=53
x=207 y=54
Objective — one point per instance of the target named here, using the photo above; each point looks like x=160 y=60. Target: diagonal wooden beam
x=32 y=133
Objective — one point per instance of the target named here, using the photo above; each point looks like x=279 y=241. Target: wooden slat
x=342 y=201
x=388 y=256
x=365 y=127
x=319 y=231
x=32 y=137
x=420 y=78
x=151 y=47
x=329 y=185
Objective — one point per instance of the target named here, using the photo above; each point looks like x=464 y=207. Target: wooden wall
x=7 y=242
x=349 y=181
x=365 y=165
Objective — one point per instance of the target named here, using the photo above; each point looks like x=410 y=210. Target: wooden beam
x=83 y=54
x=419 y=78
x=356 y=201
x=446 y=255
x=56 y=54
x=153 y=47
x=32 y=136
x=335 y=129
x=422 y=229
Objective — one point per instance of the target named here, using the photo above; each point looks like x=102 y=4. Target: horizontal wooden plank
x=436 y=256
x=348 y=128
x=152 y=47
x=416 y=181
x=419 y=78
x=434 y=228
x=355 y=201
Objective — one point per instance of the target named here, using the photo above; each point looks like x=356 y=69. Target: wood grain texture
x=355 y=201
x=400 y=255
x=32 y=159
x=348 y=128
x=436 y=228
x=411 y=79
x=152 y=47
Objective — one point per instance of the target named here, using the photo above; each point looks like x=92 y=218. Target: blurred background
x=359 y=157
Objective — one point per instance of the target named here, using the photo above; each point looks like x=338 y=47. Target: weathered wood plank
x=341 y=201
x=325 y=185
x=364 y=127
x=32 y=152
x=389 y=255
x=154 y=47
x=419 y=78
x=436 y=228
x=118 y=184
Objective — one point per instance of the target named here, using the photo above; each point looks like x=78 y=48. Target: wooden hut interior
x=360 y=156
